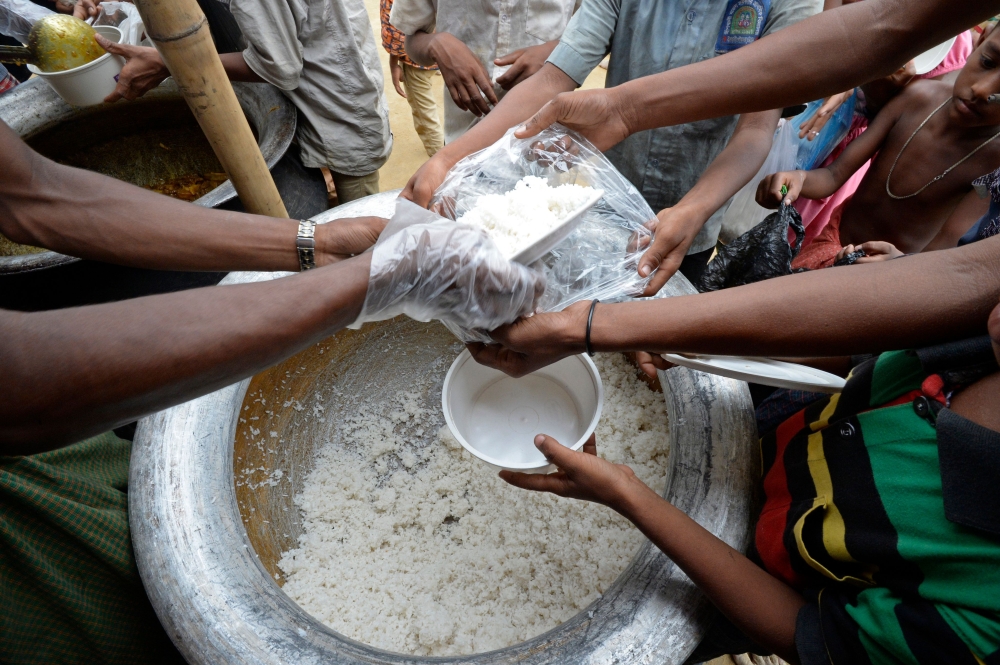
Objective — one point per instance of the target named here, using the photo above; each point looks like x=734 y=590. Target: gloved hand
x=429 y=267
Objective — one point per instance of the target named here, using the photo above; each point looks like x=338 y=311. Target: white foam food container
x=547 y=242
x=88 y=84
x=496 y=417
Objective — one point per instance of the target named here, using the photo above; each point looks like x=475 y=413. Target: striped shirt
x=882 y=506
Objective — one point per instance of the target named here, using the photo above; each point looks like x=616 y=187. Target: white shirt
x=490 y=28
x=323 y=56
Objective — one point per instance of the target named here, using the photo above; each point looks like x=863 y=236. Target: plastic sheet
x=743 y=212
x=125 y=17
x=428 y=268
x=17 y=17
x=599 y=259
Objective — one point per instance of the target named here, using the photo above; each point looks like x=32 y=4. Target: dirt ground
x=407 y=152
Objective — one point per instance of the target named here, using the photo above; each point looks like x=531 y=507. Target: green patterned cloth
x=69 y=588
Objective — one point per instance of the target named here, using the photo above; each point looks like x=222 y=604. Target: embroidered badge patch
x=743 y=23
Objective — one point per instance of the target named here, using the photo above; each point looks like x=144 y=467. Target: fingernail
x=644 y=271
x=520 y=129
x=540 y=439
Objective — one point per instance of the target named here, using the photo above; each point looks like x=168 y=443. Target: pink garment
x=959 y=53
x=816 y=212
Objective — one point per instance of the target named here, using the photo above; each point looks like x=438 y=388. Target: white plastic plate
x=931 y=58
x=762 y=370
x=544 y=245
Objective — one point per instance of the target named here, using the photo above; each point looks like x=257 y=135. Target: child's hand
x=769 y=194
x=875 y=251
x=581 y=475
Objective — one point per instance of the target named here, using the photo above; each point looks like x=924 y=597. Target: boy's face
x=979 y=79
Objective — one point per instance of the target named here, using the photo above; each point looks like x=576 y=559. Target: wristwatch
x=305 y=243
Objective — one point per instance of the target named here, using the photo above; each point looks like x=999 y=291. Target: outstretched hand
x=523 y=63
x=343 y=238
x=597 y=114
x=674 y=229
x=536 y=341
x=580 y=475
x=144 y=70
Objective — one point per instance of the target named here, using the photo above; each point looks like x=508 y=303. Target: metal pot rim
x=219 y=604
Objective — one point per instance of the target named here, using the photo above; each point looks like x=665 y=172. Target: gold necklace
x=946 y=172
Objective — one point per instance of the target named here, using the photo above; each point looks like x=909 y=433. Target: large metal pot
x=209 y=568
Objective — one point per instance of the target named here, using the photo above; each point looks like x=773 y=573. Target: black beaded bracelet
x=590 y=322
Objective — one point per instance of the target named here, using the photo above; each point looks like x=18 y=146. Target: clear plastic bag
x=125 y=17
x=428 y=267
x=743 y=212
x=812 y=153
x=17 y=17
x=600 y=258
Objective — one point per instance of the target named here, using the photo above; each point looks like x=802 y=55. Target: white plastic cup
x=88 y=84
x=496 y=417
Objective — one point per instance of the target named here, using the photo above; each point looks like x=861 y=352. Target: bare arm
x=68 y=374
x=144 y=69
x=523 y=100
x=869 y=308
x=677 y=227
x=92 y=216
x=871 y=39
x=760 y=605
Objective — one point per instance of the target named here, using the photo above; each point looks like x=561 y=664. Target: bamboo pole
x=180 y=32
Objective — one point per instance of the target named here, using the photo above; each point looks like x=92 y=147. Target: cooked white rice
x=521 y=216
x=440 y=557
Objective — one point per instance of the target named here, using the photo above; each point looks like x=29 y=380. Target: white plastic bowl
x=88 y=84
x=496 y=417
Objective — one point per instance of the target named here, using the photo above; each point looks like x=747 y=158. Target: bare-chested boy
x=927 y=146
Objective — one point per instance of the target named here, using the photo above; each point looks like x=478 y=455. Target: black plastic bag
x=761 y=253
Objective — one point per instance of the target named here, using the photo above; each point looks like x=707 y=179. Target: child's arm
x=820 y=183
x=757 y=603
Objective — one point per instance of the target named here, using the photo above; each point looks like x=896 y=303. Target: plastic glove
x=429 y=267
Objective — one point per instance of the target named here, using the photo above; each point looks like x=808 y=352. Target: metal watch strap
x=305 y=243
